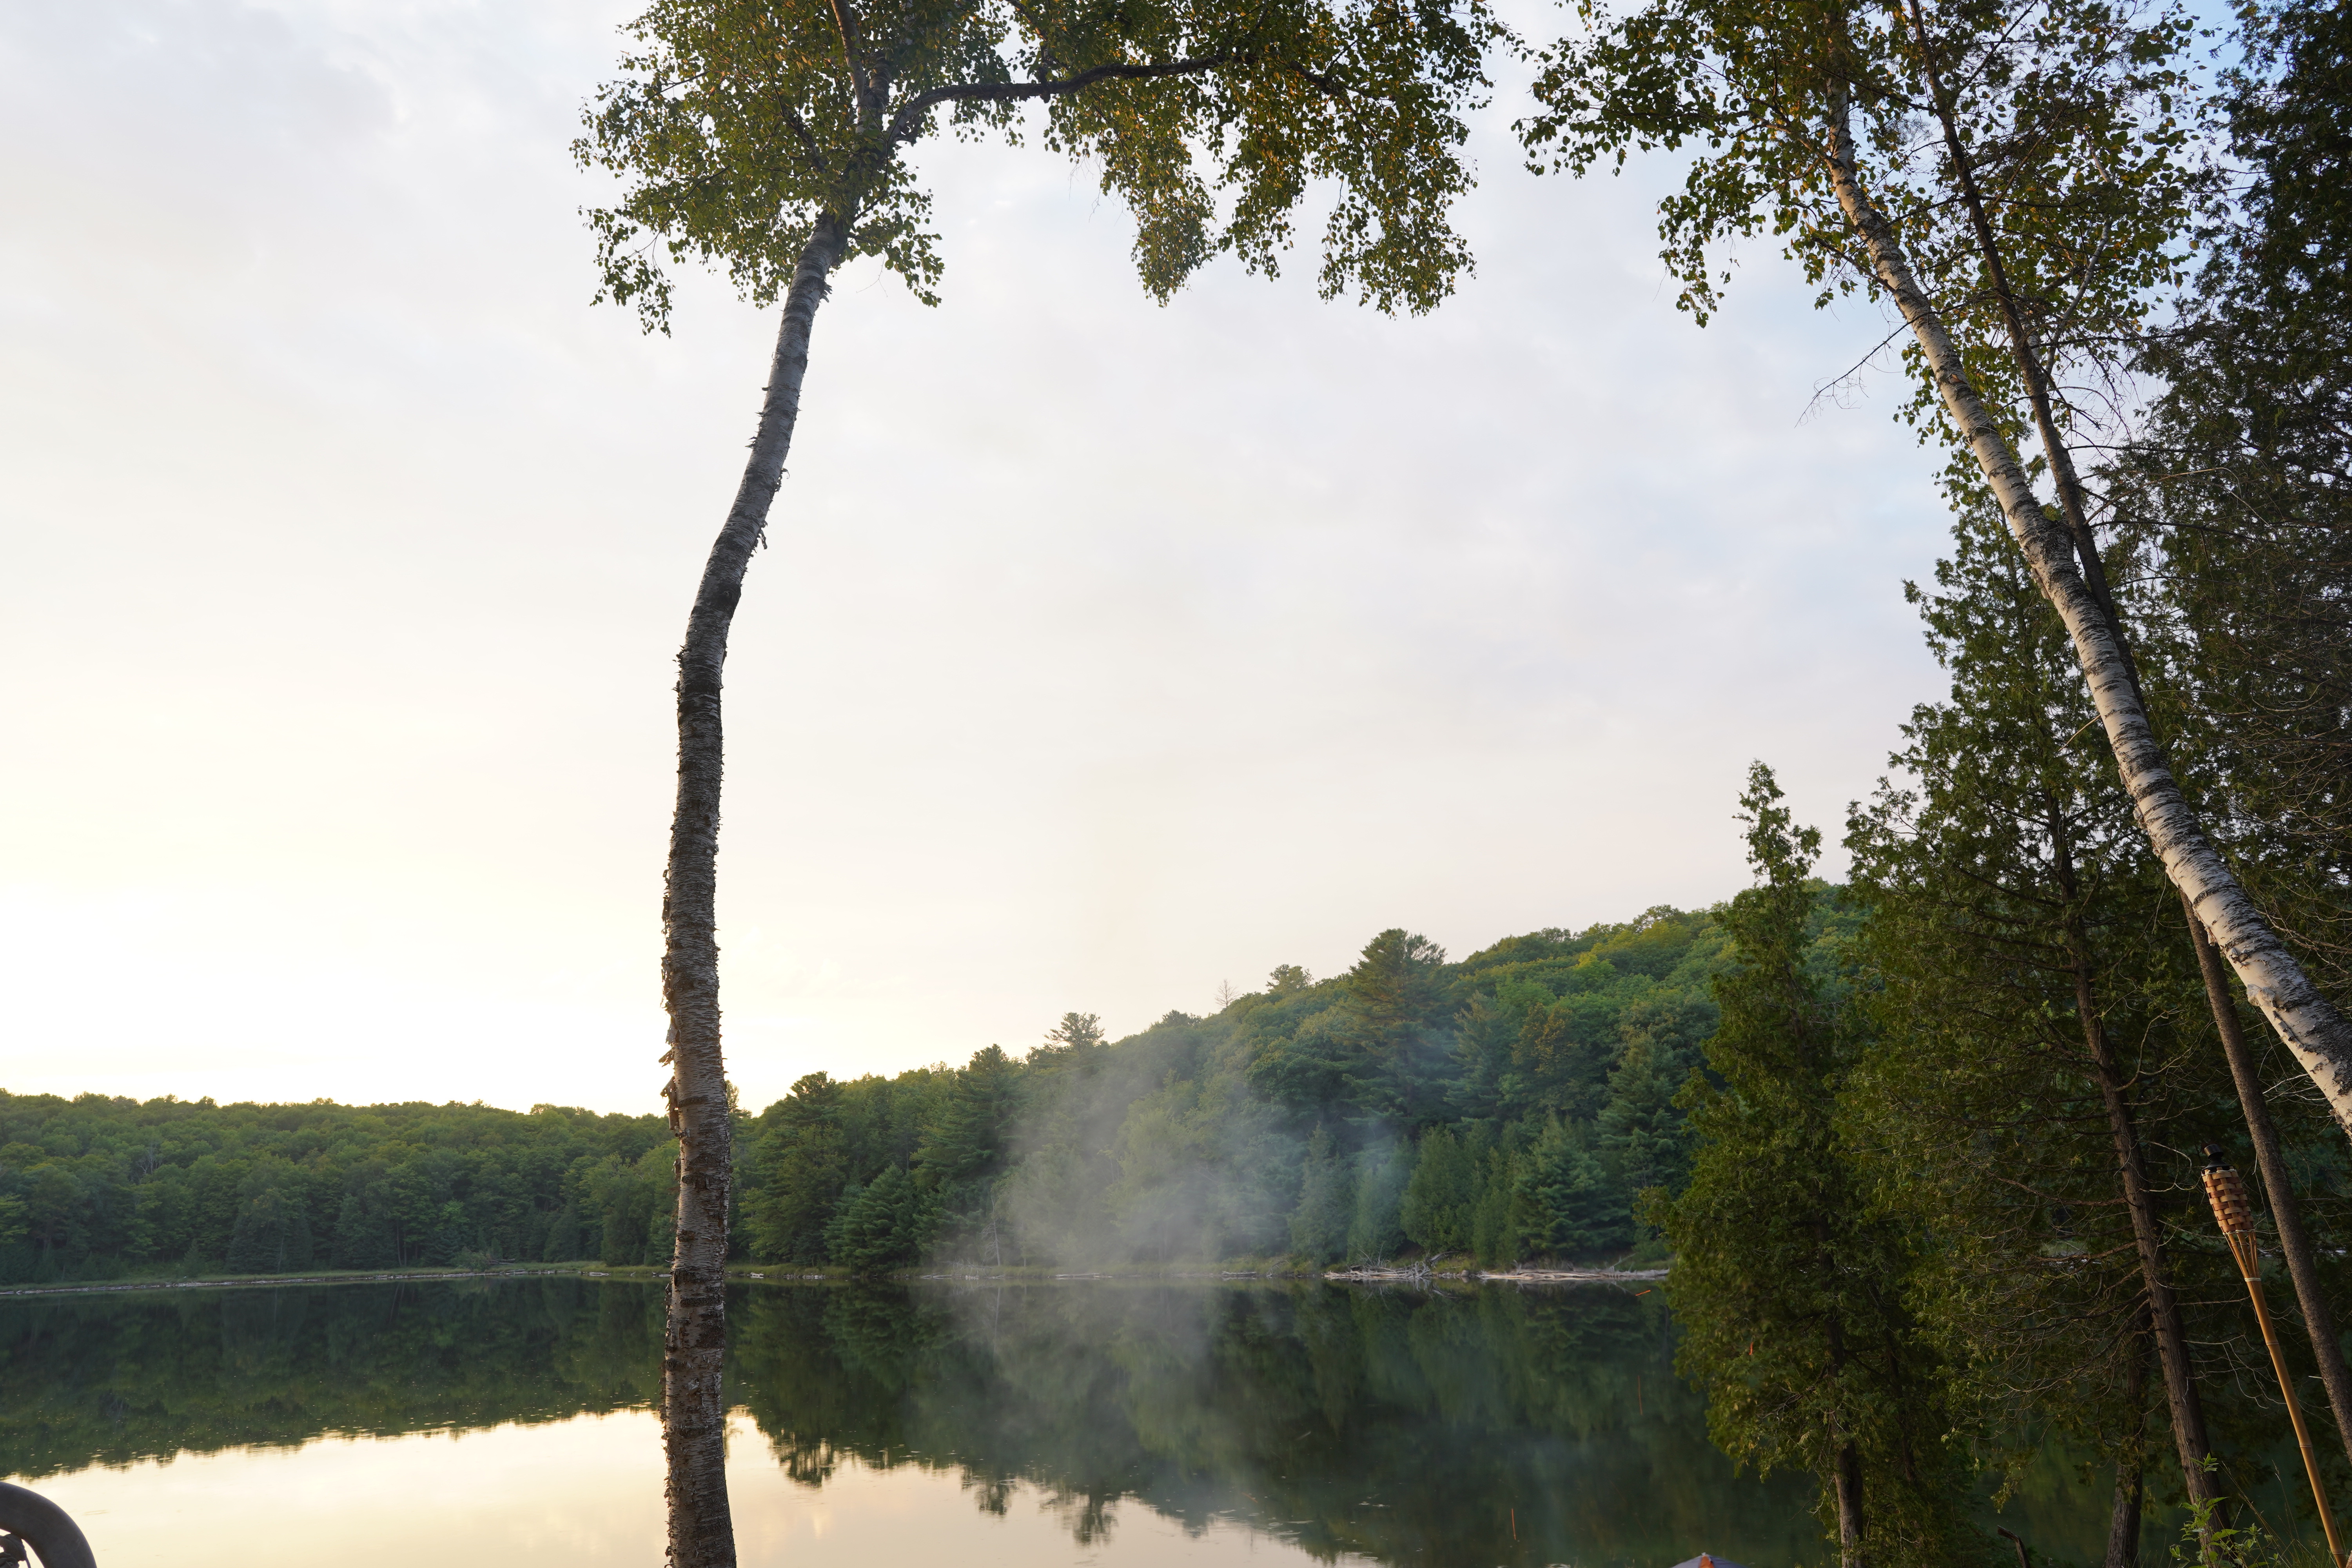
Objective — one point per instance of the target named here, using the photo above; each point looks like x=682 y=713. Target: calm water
x=1123 y=1424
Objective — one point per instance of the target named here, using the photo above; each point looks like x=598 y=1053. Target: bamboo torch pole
x=2235 y=1215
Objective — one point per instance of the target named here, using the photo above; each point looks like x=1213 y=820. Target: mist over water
x=1466 y=1426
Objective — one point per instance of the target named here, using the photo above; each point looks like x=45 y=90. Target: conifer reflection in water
x=1467 y=1426
x=1483 y=1426
x=107 y=1380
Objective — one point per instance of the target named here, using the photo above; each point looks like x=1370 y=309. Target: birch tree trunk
x=694 y=1344
x=2305 y=1020
x=2034 y=373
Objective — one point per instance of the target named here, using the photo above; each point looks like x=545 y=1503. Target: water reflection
x=105 y=1380
x=1483 y=1426
x=1127 y=1422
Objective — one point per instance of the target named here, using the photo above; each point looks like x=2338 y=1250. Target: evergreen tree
x=1640 y=1133
x=1786 y=1288
x=1565 y=1203
x=1382 y=1171
x=2237 y=489
x=1440 y=1206
x=965 y=1147
x=2039 y=1066
x=1327 y=1202
x=563 y=1244
x=1496 y=1223
x=882 y=1226
x=801 y=1154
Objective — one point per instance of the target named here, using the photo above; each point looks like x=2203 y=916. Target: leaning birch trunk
x=2305 y=1020
x=694 y=1344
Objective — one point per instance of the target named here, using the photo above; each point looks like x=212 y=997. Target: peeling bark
x=2308 y=1024
x=694 y=1414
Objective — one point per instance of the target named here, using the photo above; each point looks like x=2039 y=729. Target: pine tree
x=1327 y=1202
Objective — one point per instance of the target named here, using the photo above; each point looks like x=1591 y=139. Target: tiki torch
x=2236 y=1217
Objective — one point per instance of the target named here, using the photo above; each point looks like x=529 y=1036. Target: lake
x=1129 y=1425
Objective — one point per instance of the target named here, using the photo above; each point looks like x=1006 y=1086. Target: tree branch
x=903 y=123
x=853 y=49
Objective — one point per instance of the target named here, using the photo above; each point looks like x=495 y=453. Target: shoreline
x=646 y=1274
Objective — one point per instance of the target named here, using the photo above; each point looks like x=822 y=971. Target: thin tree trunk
x=2318 y=1034
x=2188 y=1412
x=2164 y=1309
x=2023 y=347
x=2286 y=1213
x=2131 y=1461
x=1849 y=1507
x=1846 y=1460
x=694 y=1346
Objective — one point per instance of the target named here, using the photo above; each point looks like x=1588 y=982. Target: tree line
x=97 y=1187
x=2023 y=185
x=1509 y=1105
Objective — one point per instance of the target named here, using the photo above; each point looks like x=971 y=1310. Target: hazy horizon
x=1105 y=653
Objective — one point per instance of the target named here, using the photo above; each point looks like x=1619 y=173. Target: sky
x=1105 y=654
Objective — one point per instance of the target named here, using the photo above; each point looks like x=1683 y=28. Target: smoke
x=1155 y=1151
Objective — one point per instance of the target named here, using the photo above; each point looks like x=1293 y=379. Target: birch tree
x=2011 y=176
x=769 y=139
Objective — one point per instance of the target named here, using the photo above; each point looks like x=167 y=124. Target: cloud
x=1105 y=651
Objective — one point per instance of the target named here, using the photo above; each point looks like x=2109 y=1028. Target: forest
x=1509 y=1105
x=1925 y=1142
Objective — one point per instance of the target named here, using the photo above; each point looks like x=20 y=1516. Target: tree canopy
x=746 y=130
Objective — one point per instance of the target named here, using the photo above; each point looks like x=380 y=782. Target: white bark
x=2305 y=1020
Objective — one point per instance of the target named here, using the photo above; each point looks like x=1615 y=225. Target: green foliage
x=2075 y=128
x=1786 y=1286
x=1566 y=1203
x=1430 y=1081
x=2008 y=888
x=1327 y=1202
x=1375 y=1229
x=1440 y=1206
x=1396 y=1105
x=747 y=130
x=2234 y=491
x=883 y=1224
x=273 y=1230
x=95 y=1187
x=801 y=1160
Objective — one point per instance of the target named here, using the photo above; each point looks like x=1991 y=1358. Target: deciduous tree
x=769 y=138
x=2033 y=219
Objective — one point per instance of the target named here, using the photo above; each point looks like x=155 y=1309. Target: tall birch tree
x=2011 y=176
x=769 y=139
